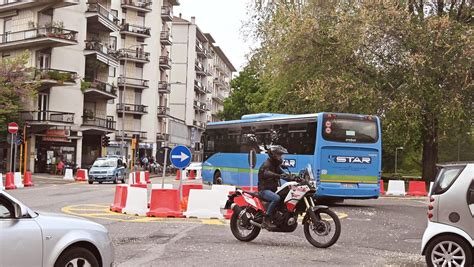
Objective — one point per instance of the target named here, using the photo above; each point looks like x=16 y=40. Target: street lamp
x=122 y=98
x=396 y=150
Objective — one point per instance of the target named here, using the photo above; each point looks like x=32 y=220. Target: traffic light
x=105 y=141
x=19 y=138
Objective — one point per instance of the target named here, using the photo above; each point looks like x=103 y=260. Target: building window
x=111 y=71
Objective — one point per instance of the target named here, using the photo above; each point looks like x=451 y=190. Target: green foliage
x=409 y=62
x=85 y=85
x=15 y=88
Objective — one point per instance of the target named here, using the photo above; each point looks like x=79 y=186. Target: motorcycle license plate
x=349 y=185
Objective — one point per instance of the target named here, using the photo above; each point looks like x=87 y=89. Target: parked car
x=110 y=169
x=449 y=237
x=31 y=238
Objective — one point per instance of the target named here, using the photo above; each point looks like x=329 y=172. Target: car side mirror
x=19 y=212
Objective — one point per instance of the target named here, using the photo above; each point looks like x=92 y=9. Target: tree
x=409 y=62
x=16 y=87
x=245 y=95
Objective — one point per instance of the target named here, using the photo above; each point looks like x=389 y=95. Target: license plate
x=349 y=185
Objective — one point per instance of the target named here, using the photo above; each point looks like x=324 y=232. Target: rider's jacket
x=269 y=175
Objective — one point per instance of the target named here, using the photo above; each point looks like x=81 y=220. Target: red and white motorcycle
x=321 y=225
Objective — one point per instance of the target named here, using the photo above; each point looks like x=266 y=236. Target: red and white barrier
x=136 y=202
x=206 y=203
x=417 y=188
x=131 y=178
x=9 y=181
x=27 y=181
x=226 y=188
x=1 y=182
x=18 y=180
x=164 y=203
x=396 y=188
x=120 y=198
x=68 y=175
x=382 y=188
x=81 y=175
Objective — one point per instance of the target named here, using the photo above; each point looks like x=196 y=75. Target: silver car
x=28 y=238
x=449 y=238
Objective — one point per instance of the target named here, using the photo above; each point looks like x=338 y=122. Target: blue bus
x=345 y=150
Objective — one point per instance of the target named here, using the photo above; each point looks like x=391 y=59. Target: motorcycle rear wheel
x=239 y=231
x=329 y=222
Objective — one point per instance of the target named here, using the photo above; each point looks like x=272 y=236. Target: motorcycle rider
x=269 y=176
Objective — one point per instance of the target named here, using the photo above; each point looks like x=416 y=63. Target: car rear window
x=445 y=178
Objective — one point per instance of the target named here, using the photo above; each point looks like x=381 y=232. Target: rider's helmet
x=275 y=152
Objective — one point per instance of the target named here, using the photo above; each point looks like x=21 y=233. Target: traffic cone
x=178 y=175
x=382 y=188
x=147 y=177
x=9 y=184
x=27 y=179
x=192 y=176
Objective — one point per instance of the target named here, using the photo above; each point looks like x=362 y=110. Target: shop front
x=54 y=146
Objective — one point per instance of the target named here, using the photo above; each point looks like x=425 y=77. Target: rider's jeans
x=274 y=198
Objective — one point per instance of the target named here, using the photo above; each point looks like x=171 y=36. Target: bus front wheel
x=217 y=177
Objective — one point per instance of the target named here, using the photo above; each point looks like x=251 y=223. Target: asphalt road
x=382 y=232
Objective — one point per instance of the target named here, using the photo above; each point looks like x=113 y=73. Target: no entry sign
x=13 y=127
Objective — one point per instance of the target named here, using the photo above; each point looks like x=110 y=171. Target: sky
x=223 y=19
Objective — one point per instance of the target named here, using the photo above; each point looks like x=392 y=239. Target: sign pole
x=21 y=156
x=11 y=154
x=164 y=168
x=181 y=185
x=25 y=155
x=14 y=158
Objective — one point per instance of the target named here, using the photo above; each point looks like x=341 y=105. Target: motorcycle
x=321 y=225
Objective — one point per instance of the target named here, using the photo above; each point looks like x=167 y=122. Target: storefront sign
x=56 y=136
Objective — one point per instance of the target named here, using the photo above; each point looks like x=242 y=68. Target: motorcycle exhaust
x=256 y=224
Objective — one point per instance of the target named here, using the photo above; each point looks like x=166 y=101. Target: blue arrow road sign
x=180 y=157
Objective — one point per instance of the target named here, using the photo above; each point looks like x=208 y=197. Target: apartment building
x=193 y=83
x=97 y=64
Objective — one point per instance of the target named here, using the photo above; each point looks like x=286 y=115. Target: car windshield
x=105 y=163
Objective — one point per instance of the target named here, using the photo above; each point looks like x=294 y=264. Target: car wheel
x=76 y=257
x=217 y=177
x=448 y=250
x=91 y=182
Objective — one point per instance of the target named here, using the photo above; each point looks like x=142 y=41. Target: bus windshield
x=350 y=129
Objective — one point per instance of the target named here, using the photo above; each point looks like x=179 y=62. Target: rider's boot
x=267 y=223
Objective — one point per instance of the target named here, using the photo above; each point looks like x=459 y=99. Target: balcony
x=54 y=77
x=218 y=97
x=163 y=112
x=199 y=87
x=141 y=6
x=199 y=106
x=220 y=82
x=199 y=68
x=162 y=137
x=134 y=55
x=135 y=30
x=12 y=5
x=98 y=90
x=37 y=38
x=165 y=62
x=102 y=53
x=199 y=124
x=98 y=124
x=166 y=13
x=100 y=19
x=199 y=48
x=132 y=82
x=171 y=2
x=47 y=117
x=208 y=54
x=165 y=38
x=164 y=87
x=132 y=109
x=128 y=135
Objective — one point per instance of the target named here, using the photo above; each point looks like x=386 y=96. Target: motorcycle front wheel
x=241 y=230
x=324 y=232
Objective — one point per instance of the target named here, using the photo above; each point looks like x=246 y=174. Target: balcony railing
x=104 y=12
x=129 y=134
x=142 y=5
x=163 y=111
x=199 y=47
x=165 y=62
x=134 y=55
x=48 y=116
x=99 y=85
x=165 y=38
x=136 y=30
x=166 y=13
x=164 y=87
x=99 y=122
x=132 y=82
x=44 y=32
x=9 y=5
x=132 y=108
x=99 y=47
x=199 y=124
x=59 y=76
x=162 y=137
x=200 y=87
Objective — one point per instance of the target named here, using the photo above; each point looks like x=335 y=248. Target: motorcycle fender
x=320 y=207
x=311 y=212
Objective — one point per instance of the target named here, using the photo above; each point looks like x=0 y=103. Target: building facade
x=97 y=64
x=193 y=83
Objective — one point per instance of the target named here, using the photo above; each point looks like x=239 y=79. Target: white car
x=28 y=238
x=449 y=238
